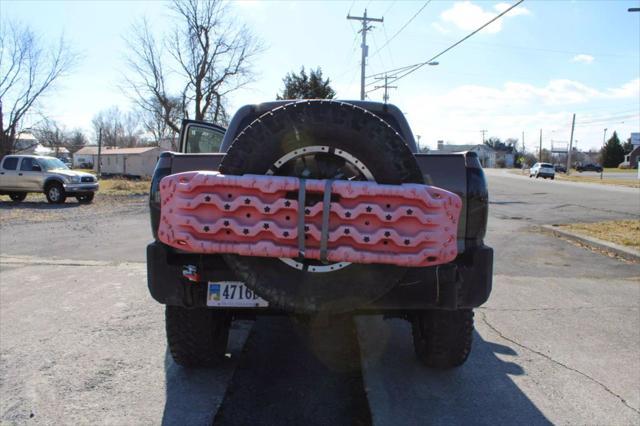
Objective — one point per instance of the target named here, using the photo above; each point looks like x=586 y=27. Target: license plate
x=233 y=294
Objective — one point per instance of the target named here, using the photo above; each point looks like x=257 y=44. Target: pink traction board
x=256 y=215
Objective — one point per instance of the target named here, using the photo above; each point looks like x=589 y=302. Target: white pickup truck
x=21 y=174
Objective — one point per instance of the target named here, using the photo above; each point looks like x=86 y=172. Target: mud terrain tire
x=340 y=126
x=197 y=337
x=442 y=339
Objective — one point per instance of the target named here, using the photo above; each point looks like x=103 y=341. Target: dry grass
x=622 y=232
x=577 y=177
x=617 y=170
x=119 y=186
x=36 y=209
x=596 y=179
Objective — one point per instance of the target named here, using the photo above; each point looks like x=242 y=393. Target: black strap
x=326 y=210
x=301 y=208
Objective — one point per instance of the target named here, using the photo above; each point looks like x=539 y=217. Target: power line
x=386 y=37
x=609 y=119
x=543 y=49
x=389 y=8
x=375 y=45
x=395 y=70
x=351 y=7
x=419 y=65
x=353 y=49
x=403 y=27
x=386 y=87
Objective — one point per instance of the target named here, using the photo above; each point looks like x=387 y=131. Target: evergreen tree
x=303 y=86
x=612 y=153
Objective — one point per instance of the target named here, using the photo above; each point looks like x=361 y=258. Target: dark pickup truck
x=228 y=245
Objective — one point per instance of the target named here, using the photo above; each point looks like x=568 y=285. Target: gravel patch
x=36 y=209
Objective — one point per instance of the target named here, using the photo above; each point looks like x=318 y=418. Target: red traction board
x=256 y=215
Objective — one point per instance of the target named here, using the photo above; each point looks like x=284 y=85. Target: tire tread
x=196 y=337
x=442 y=339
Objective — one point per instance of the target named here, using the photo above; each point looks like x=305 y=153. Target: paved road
x=558 y=340
x=82 y=342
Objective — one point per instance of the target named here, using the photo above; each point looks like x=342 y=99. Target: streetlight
x=433 y=63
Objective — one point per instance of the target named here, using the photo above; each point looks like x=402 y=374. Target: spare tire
x=319 y=139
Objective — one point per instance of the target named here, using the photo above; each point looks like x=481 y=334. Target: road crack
x=605 y=387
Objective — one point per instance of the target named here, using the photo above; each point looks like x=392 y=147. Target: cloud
x=468 y=16
x=514 y=94
x=627 y=90
x=585 y=59
x=458 y=114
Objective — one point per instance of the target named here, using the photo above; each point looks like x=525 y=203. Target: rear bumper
x=464 y=283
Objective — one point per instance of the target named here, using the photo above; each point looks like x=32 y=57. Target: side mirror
x=36 y=168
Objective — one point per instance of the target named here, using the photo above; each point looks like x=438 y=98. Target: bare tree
x=108 y=122
x=76 y=140
x=154 y=122
x=131 y=130
x=119 y=129
x=28 y=70
x=207 y=54
x=52 y=135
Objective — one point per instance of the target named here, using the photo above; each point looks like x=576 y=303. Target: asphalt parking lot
x=82 y=342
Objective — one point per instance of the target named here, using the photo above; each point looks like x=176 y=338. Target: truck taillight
x=477 y=201
x=163 y=168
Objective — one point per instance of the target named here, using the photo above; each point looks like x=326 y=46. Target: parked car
x=559 y=168
x=21 y=174
x=544 y=170
x=349 y=147
x=590 y=167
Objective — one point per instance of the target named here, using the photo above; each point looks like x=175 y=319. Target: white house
x=486 y=154
x=138 y=162
x=85 y=156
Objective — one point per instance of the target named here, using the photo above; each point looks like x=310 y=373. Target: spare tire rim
x=290 y=165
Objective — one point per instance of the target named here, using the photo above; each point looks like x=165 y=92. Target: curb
x=618 y=250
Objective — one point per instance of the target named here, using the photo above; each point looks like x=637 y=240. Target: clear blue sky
x=531 y=70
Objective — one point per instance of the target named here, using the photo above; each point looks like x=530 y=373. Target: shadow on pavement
x=194 y=395
x=402 y=391
x=297 y=373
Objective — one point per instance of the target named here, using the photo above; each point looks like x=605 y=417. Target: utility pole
x=540 y=150
x=386 y=87
x=573 y=125
x=604 y=136
x=523 y=148
x=99 y=149
x=365 y=49
x=483 y=133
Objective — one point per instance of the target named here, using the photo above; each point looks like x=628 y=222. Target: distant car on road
x=21 y=174
x=544 y=170
x=559 y=168
x=589 y=168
